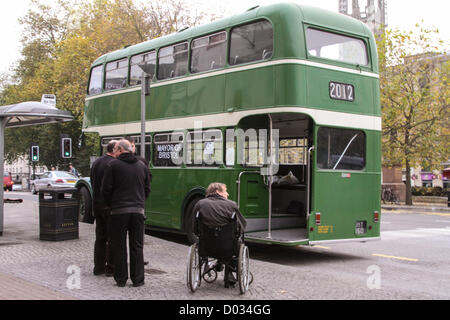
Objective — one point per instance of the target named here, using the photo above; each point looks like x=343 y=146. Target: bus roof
x=274 y=13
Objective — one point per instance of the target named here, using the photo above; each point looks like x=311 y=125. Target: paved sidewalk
x=13 y=288
x=34 y=269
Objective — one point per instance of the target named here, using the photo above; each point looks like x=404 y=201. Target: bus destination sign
x=342 y=91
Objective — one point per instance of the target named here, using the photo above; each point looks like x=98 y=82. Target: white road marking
x=415 y=233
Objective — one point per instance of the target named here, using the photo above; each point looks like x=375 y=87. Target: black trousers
x=103 y=258
x=120 y=225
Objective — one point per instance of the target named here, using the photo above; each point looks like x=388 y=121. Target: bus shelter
x=25 y=114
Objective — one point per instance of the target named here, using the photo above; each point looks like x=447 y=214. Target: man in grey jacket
x=125 y=186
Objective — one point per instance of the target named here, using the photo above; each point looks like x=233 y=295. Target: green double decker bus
x=281 y=103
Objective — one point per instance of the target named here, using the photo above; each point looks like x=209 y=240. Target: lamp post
x=145 y=91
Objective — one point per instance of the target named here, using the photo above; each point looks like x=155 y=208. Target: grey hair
x=214 y=187
x=125 y=145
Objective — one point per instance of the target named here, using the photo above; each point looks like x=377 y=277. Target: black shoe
x=230 y=281
x=138 y=284
x=109 y=273
x=99 y=273
x=121 y=284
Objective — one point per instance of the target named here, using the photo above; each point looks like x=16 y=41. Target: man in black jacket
x=103 y=261
x=126 y=185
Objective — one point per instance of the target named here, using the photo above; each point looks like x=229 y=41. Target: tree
x=414 y=99
x=59 y=44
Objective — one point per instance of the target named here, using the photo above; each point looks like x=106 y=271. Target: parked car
x=7 y=181
x=53 y=179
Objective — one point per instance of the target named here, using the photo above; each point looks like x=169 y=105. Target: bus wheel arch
x=188 y=215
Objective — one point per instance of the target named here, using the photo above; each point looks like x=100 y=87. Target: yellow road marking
x=418 y=212
x=394 y=257
x=322 y=247
x=438 y=214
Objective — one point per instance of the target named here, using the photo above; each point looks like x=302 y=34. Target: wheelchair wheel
x=209 y=274
x=243 y=268
x=193 y=268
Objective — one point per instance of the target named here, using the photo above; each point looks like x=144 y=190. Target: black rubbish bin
x=58 y=214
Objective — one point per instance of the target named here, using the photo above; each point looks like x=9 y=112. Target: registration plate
x=361 y=227
x=342 y=91
x=71 y=181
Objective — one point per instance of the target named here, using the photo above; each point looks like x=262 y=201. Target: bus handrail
x=308 y=183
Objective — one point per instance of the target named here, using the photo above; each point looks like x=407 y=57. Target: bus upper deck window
x=251 y=42
x=95 y=82
x=209 y=52
x=173 y=61
x=116 y=74
x=328 y=45
x=144 y=62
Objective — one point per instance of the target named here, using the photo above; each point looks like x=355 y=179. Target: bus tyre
x=189 y=217
x=85 y=210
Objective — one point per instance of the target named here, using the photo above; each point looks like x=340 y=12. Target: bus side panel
x=251 y=88
x=168 y=101
x=167 y=193
x=290 y=85
x=342 y=199
x=318 y=82
x=206 y=95
x=112 y=109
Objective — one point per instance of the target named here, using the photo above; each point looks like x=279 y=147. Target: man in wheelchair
x=220 y=227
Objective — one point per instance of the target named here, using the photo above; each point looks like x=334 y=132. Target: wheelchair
x=216 y=249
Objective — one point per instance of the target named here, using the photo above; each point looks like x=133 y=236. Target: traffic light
x=34 y=153
x=66 y=147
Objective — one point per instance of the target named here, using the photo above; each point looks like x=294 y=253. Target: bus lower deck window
x=341 y=149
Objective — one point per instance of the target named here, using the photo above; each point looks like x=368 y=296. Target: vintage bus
x=280 y=103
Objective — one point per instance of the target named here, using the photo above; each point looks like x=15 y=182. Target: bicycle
x=388 y=195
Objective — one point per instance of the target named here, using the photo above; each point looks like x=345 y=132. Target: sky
x=400 y=14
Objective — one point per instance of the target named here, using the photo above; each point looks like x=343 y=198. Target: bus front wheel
x=85 y=210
